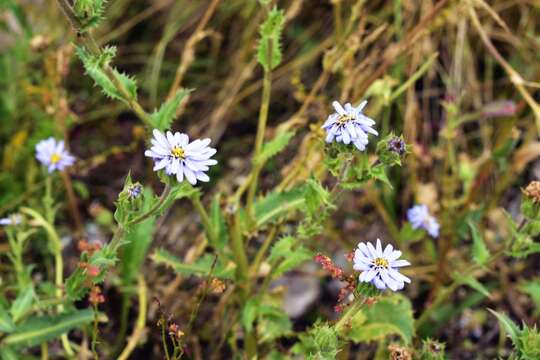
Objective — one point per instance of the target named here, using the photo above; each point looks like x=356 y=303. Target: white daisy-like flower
x=380 y=267
x=15 y=219
x=420 y=217
x=179 y=157
x=348 y=124
x=53 y=154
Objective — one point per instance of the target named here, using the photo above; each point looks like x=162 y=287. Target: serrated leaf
x=273 y=147
x=277 y=204
x=201 y=267
x=291 y=255
x=281 y=248
x=379 y=172
x=269 y=46
x=40 y=329
x=389 y=316
x=316 y=196
x=272 y=323
x=163 y=118
x=508 y=325
x=94 y=68
x=480 y=253
x=297 y=257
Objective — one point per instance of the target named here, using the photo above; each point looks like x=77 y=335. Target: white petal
x=399 y=263
x=379 y=248
x=398 y=276
x=338 y=108
x=190 y=176
x=394 y=255
x=361 y=106
x=364 y=249
x=372 y=250
x=202 y=176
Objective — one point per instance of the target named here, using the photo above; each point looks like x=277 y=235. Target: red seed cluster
x=85 y=246
x=328 y=265
x=96 y=297
x=337 y=273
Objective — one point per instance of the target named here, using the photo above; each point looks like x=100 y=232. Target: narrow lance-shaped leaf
x=163 y=118
x=480 y=252
x=273 y=147
x=38 y=330
x=508 y=325
x=201 y=267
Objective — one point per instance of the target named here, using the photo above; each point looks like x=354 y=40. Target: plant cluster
x=396 y=288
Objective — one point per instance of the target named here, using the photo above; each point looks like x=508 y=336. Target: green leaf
x=273 y=147
x=277 y=204
x=320 y=343
x=94 y=68
x=379 y=172
x=509 y=326
x=391 y=315
x=137 y=241
x=409 y=235
x=532 y=288
x=316 y=196
x=290 y=253
x=7 y=353
x=249 y=313
x=269 y=47
x=201 y=267
x=272 y=323
x=22 y=303
x=294 y=259
x=40 y=329
x=480 y=252
x=89 y=12
x=282 y=248
x=163 y=118
x=472 y=283
x=220 y=237
x=6 y=323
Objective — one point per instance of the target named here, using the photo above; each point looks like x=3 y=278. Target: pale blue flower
x=419 y=217
x=134 y=191
x=348 y=125
x=53 y=154
x=380 y=267
x=181 y=158
x=15 y=219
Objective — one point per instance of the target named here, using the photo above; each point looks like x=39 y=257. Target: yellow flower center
x=178 y=152
x=381 y=262
x=344 y=119
x=55 y=158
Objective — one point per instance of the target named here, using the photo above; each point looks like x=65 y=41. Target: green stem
x=162 y=198
x=259 y=140
x=94 y=48
x=264 y=247
x=205 y=219
x=449 y=290
x=351 y=311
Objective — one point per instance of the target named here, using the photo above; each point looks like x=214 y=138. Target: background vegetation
x=458 y=79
